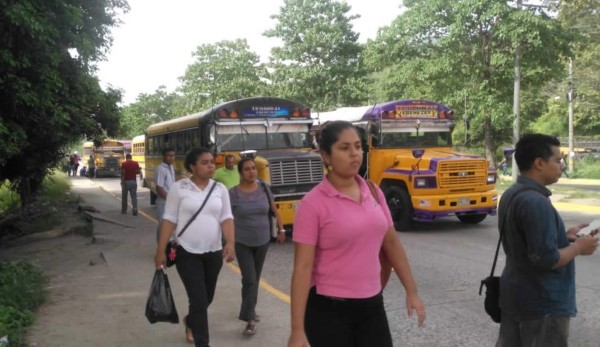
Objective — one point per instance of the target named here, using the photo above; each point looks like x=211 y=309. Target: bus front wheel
x=471 y=218
x=400 y=206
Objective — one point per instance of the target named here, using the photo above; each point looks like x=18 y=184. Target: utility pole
x=517 y=102
x=570 y=97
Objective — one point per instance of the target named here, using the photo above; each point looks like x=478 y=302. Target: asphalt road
x=448 y=260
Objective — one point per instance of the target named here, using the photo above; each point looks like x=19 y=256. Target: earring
x=329 y=167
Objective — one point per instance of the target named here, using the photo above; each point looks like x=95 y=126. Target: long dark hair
x=329 y=133
x=240 y=165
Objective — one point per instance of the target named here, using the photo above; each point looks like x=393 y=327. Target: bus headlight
x=491 y=178
x=425 y=182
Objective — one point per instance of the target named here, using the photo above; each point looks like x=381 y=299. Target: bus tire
x=473 y=218
x=400 y=206
x=153 y=198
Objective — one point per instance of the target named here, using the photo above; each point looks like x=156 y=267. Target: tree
x=149 y=109
x=49 y=97
x=463 y=51
x=226 y=70
x=319 y=62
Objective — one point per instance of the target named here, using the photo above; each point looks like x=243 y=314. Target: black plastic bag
x=160 y=306
x=492 y=297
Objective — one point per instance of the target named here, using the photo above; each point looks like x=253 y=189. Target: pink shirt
x=347 y=236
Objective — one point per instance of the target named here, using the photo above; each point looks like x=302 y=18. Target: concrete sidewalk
x=101 y=302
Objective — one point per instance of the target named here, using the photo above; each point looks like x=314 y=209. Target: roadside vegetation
x=21 y=292
x=41 y=214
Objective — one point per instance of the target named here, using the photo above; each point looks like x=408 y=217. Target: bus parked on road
x=138 y=145
x=277 y=129
x=108 y=157
x=408 y=153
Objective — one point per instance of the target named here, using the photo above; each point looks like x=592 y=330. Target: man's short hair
x=167 y=150
x=128 y=156
x=533 y=146
x=229 y=156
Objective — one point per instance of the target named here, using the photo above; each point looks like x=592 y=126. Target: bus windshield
x=410 y=138
x=236 y=137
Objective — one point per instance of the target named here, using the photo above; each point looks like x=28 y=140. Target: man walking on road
x=538 y=281
x=165 y=177
x=227 y=174
x=129 y=170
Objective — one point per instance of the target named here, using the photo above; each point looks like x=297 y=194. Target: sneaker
x=134 y=212
x=249 y=330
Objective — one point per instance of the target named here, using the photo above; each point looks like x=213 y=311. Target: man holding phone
x=538 y=281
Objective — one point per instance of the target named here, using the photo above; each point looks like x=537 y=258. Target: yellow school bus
x=138 y=145
x=408 y=153
x=107 y=158
x=277 y=129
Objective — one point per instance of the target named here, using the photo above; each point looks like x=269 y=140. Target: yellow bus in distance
x=138 y=144
x=277 y=129
x=108 y=157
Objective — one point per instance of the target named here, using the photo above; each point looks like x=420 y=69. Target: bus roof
x=139 y=138
x=242 y=109
x=408 y=109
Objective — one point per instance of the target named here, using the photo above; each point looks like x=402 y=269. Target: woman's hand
x=413 y=302
x=160 y=259
x=297 y=340
x=280 y=237
x=229 y=252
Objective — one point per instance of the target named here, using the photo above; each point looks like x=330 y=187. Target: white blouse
x=204 y=234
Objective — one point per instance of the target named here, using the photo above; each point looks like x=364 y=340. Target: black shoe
x=134 y=212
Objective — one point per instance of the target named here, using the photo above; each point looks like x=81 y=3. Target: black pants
x=199 y=273
x=251 y=261
x=332 y=322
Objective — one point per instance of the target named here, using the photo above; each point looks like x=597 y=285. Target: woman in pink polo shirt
x=339 y=231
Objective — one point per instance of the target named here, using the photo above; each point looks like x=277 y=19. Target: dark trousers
x=547 y=331
x=131 y=188
x=250 y=260
x=199 y=273
x=335 y=322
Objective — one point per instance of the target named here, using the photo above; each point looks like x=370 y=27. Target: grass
x=9 y=200
x=21 y=292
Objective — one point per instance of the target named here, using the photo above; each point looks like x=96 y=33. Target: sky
x=154 y=44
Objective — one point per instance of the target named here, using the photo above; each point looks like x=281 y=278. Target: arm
x=301 y=279
x=585 y=245
x=279 y=221
x=160 y=178
x=396 y=256
x=227 y=227
x=166 y=230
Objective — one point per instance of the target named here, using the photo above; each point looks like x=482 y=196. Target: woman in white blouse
x=200 y=252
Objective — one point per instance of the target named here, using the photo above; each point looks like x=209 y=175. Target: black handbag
x=492 y=283
x=171 y=249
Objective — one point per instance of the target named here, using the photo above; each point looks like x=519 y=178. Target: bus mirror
x=418 y=152
x=374 y=141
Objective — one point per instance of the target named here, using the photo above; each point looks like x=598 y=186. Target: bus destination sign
x=266 y=112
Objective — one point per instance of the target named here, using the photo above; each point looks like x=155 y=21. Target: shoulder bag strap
x=199 y=210
x=373 y=190
x=269 y=197
x=502 y=222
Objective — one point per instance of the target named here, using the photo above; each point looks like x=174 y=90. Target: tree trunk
x=25 y=191
x=489 y=141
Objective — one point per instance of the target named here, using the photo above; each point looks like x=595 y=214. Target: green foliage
x=149 y=109
x=319 y=62
x=456 y=51
x=21 y=292
x=226 y=70
x=9 y=200
x=587 y=168
x=49 y=97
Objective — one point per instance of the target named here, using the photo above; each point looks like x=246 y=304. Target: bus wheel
x=471 y=218
x=153 y=198
x=400 y=206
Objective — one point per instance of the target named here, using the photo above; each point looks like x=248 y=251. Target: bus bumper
x=431 y=207
x=287 y=210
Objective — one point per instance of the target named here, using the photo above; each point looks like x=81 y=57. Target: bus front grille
x=462 y=173
x=292 y=172
x=111 y=163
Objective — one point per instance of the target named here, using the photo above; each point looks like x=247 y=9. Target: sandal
x=250 y=329
x=189 y=337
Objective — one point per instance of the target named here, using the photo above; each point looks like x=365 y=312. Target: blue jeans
x=131 y=188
